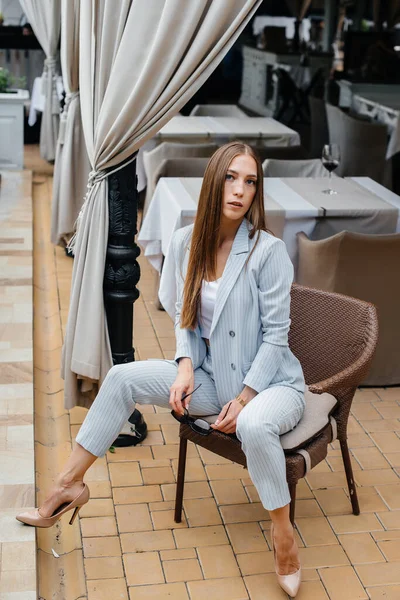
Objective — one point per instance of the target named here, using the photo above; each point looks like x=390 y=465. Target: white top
x=208 y=298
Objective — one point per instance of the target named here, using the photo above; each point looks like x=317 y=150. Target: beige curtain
x=140 y=62
x=72 y=165
x=45 y=18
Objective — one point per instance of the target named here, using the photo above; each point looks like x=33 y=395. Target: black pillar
x=122 y=271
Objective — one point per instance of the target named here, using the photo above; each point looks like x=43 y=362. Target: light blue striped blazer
x=249 y=331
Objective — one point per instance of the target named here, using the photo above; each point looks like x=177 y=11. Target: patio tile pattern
x=126 y=545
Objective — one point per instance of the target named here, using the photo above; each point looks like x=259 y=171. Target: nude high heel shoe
x=289 y=583
x=34 y=518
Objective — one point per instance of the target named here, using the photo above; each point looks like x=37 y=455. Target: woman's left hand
x=227 y=418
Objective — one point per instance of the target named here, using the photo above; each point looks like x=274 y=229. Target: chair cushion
x=317 y=411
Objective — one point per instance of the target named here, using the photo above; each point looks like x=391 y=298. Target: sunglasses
x=197 y=425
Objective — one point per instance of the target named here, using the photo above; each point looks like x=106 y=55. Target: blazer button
x=232 y=333
x=233 y=367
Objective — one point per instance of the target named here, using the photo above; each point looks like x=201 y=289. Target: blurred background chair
x=362 y=145
x=294 y=168
x=292 y=101
x=153 y=159
x=366 y=267
x=319 y=126
x=180 y=167
x=217 y=110
x=282 y=152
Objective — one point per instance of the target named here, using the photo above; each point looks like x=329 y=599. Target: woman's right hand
x=183 y=383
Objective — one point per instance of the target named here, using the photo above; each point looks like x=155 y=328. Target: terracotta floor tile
x=370 y=500
x=192 y=489
x=384 y=592
x=364 y=412
x=370 y=458
x=217 y=562
x=17 y=581
x=125 y=474
x=196 y=537
x=318 y=557
x=262 y=587
x=390 y=520
x=359 y=440
x=361 y=548
x=380 y=536
x=244 y=513
x=303 y=490
x=375 y=477
x=172 y=451
x=316 y=531
x=194 y=469
x=98 y=526
x=342 y=583
x=318 y=481
x=211 y=458
x=146 y=541
x=166 y=591
x=389 y=410
x=379 y=574
x=105 y=589
x=382 y=425
x=256 y=563
x=183 y=570
x=226 y=472
x=389 y=394
x=133 y=517
x=391 y=550
x=355 y=524
x=391 y=495
x=137 y=494
x=178 y=554
x=246 y=537
x=154 y=438
x=103 y=546
x=333 y=501
x=109 y=567
x=131 y=453
x=163 y=505
x=97 y=507
x=100 y=489
x=158 y=475
x=223 y=589
x=308 y=508
x=251 y=492
x=201 y=512
x=387 y=441
x=393 y=458
x=143 y=569
x=164 y=519
x=229 y=491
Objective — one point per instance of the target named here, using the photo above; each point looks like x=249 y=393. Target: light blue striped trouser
x=271 y=413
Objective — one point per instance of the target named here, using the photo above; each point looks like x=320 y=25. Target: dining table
x=257 y=131
x=291 y=204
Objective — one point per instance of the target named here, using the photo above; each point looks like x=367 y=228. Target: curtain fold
x=140 y=62
x=45 y=19
x=72 y=165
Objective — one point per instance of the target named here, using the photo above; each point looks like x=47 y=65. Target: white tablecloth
x=384 y=108
x=38 y=99
x=219 y=130
x=292 y=205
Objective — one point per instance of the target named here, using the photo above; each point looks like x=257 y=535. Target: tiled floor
x=130 y=546
x=17 y=470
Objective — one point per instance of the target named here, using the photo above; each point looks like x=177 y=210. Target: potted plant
x=8 y=81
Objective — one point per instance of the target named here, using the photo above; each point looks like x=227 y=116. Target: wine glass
x=330 y=160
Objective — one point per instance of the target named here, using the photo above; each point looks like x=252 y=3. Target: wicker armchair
x=334 y=337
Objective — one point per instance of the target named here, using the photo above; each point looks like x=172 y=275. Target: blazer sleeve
x=188 y=343
x=275 y=281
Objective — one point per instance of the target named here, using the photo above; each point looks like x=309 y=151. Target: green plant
x=7 y=81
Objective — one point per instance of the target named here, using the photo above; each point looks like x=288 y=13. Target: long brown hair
x=206 y=232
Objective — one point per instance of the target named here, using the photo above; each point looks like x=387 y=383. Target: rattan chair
x=334 y=337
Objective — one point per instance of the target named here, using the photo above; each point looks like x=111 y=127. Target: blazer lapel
x=234 y=264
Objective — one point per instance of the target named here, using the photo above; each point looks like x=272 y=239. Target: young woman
x=232 y=322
